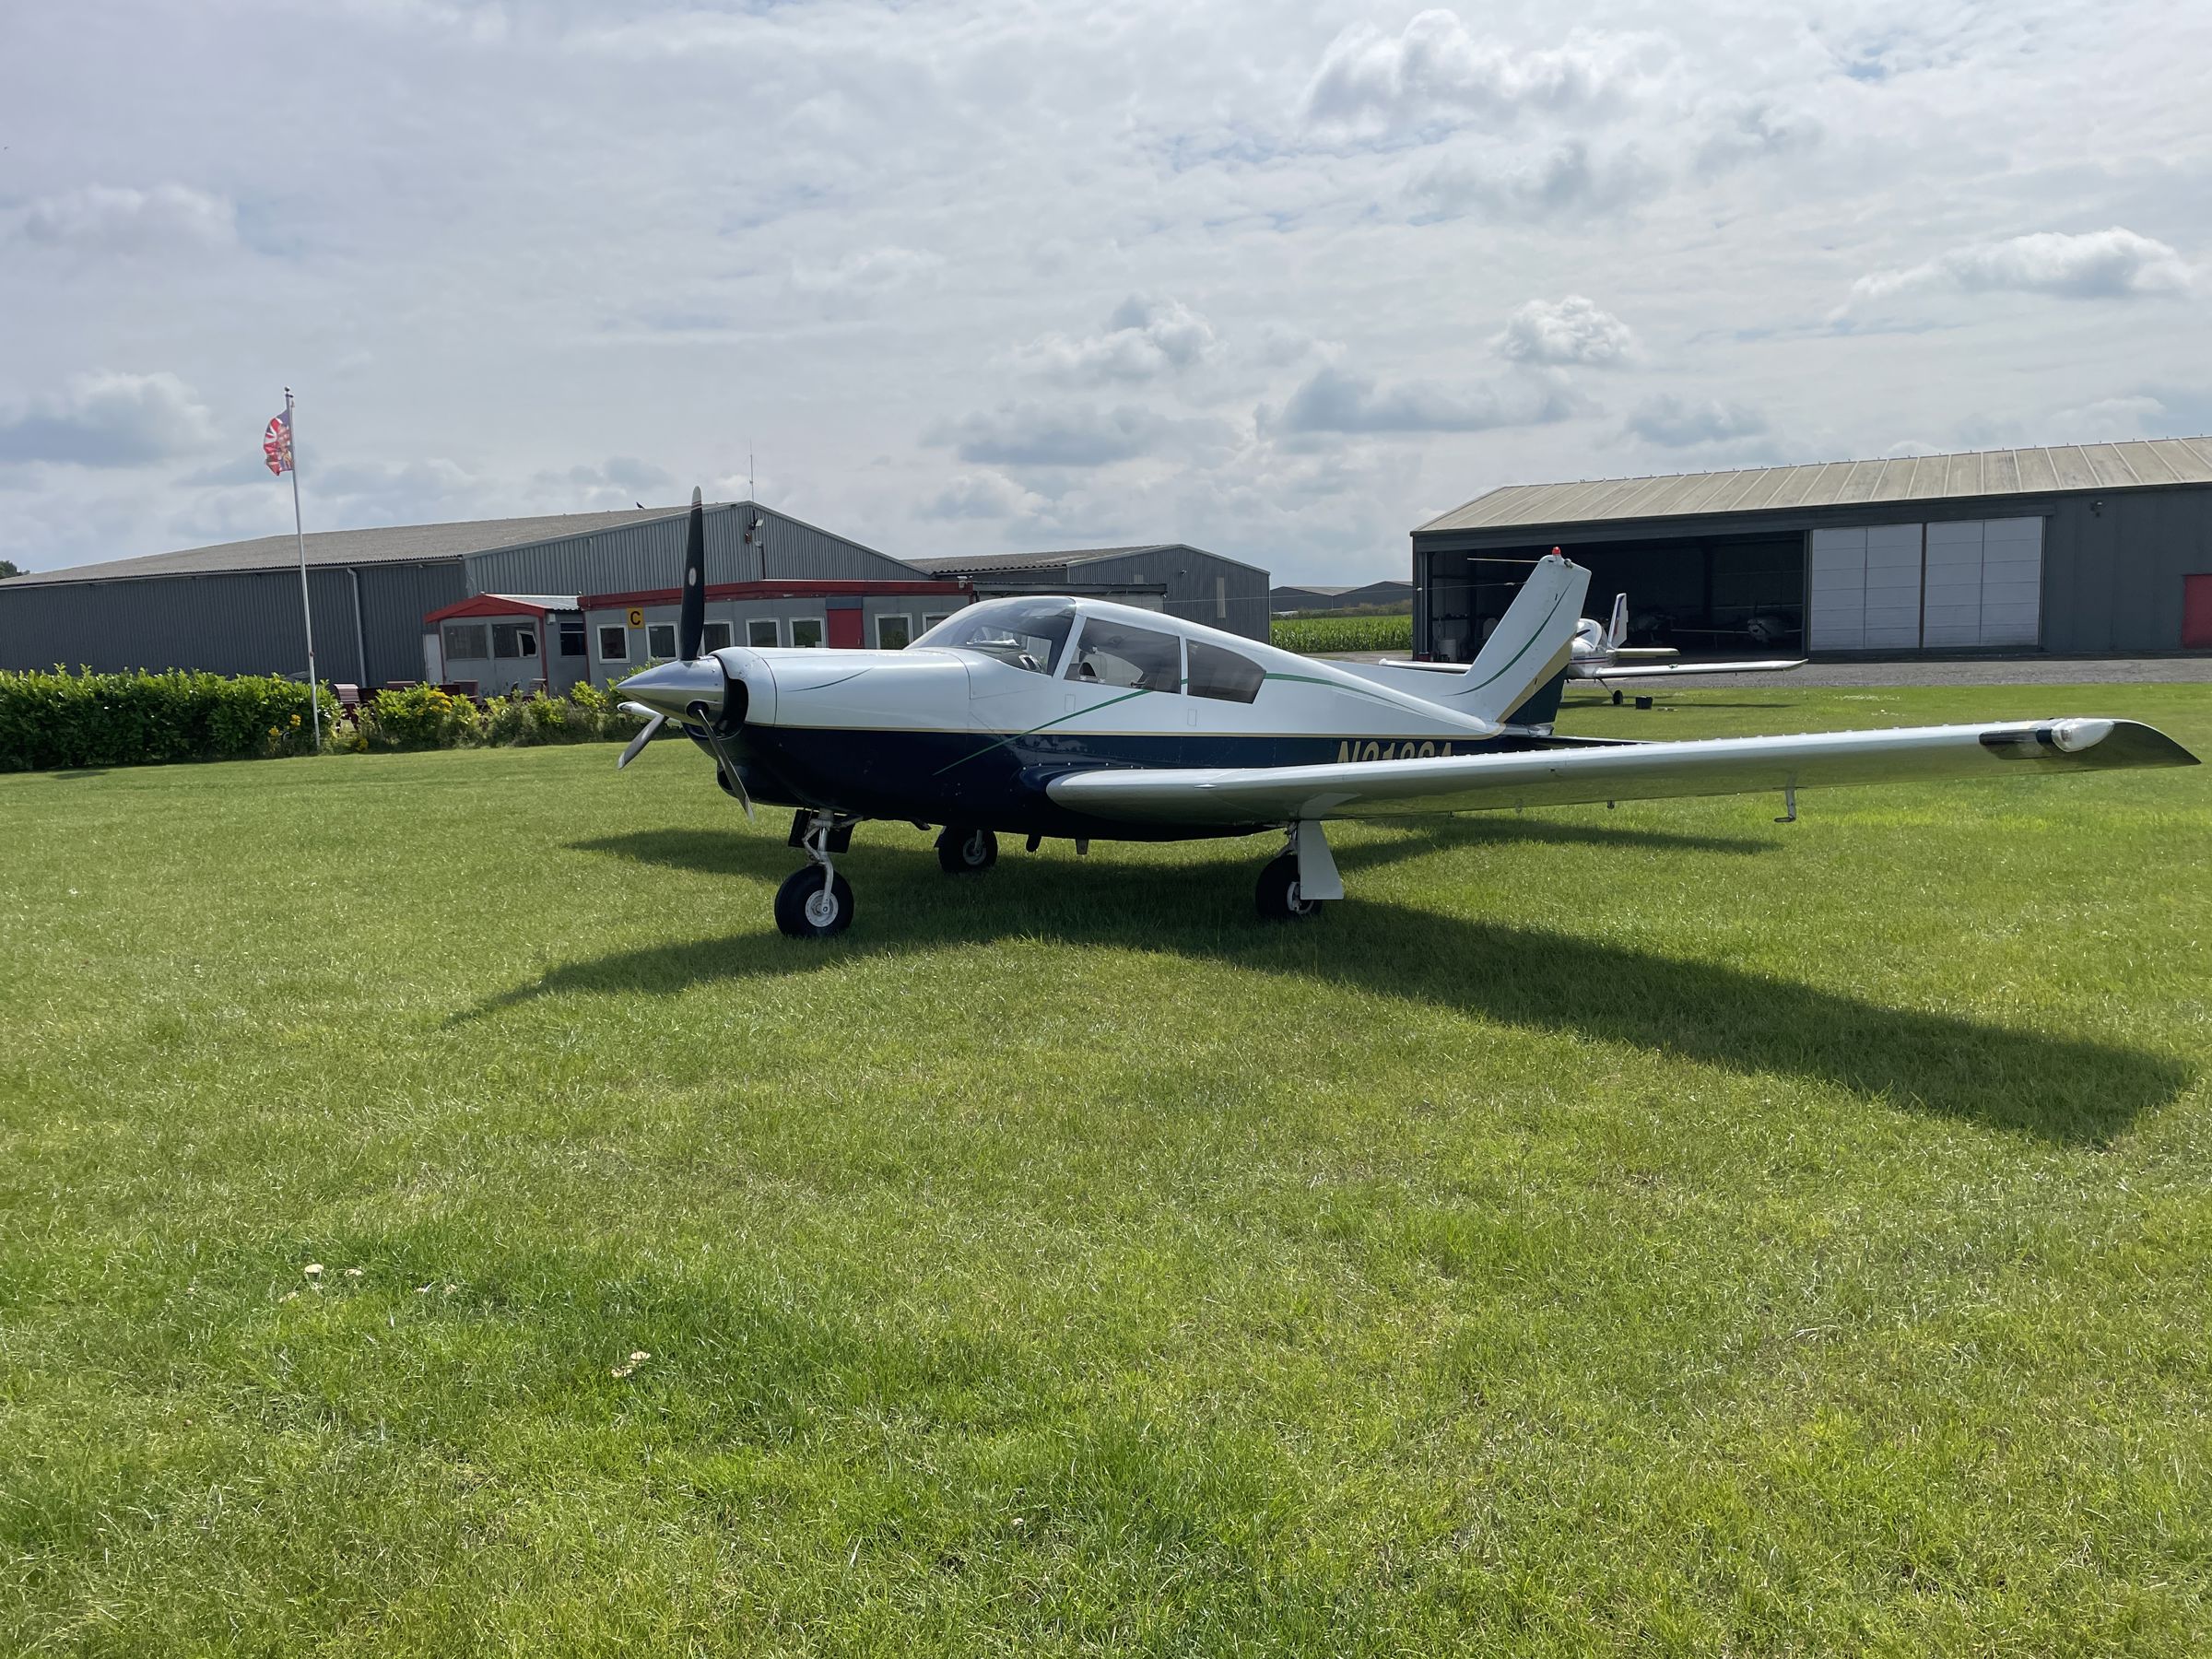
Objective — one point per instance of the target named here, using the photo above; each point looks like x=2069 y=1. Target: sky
x=970 y=276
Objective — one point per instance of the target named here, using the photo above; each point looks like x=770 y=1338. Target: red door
x=2196 y=610
x=844 y=629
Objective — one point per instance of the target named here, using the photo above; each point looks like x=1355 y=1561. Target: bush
x=53 y=720
x=420 y=717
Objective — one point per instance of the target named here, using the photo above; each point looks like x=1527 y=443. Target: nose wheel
x=815 y=902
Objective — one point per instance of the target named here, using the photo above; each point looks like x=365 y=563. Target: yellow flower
x=295 y=720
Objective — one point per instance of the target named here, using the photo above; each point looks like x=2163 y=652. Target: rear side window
x=1114 y=654
x=1223 y=674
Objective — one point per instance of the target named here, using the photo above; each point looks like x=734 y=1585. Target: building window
x=763 y=632
x=513 y=640
x=929 y=622
x=571 y=639
x=1220 y=596
x=806 y=631
x=470 y=641
x=614 y=643
x=1113 y=653
x=1223 y=674
x=718 y=636
x=893 y=631
x=660 y=640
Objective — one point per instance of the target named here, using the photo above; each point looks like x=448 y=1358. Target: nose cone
x=674 y=687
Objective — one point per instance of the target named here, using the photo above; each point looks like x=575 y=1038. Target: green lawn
x=1643 y=1232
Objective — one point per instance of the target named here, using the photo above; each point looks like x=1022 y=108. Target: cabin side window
x=1139 y=659
x=1223 y=674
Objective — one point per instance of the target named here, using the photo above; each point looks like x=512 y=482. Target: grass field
x=1644 y=1232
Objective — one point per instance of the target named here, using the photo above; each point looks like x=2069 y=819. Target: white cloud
x=871 y=271
x=2096 y=264
x=619 y=481
x=981 y=495
x=1565 y=333
x=1144 y=339
x=108 y=420
x=1679 y=423
x=1335 y=400
x=1434 y=68
x=101 y=219
x=1030 y=434
x=1566 y=182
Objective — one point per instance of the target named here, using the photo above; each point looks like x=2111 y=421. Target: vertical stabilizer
x=1529 y=647
x=1617 y=630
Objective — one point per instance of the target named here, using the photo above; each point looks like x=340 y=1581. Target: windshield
x=1022 y=633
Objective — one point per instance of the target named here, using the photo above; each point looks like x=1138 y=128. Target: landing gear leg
x=815 y=902
x=1293 y=885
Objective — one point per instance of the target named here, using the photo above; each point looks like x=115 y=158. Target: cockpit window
x=1113 y=652
x=1224 y=675
x=1022 y=633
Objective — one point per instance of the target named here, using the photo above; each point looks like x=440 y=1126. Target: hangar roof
x=390 y=543
x=964 y=563
x=2138 y=464
x=982 y=564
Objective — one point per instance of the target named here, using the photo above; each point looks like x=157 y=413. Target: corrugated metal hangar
x=2090 y=550
x=1173 y=577
x=235 y=608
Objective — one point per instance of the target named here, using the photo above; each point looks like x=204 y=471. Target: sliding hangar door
x=1961 y=584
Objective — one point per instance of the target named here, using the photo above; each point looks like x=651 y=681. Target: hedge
x=53 y=720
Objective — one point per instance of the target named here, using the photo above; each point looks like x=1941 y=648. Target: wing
x=1605 y=671
x=1627 y=771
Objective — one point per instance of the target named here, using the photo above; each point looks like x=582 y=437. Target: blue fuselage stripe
x=996 y=780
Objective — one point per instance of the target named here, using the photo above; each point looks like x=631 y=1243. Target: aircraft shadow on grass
x=2065 y=1089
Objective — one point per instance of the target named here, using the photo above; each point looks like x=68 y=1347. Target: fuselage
x=968 y=724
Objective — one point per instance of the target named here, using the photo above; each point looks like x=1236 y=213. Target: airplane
x=1087 y=720
x=1601 y=653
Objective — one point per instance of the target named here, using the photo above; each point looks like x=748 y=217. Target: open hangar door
x=1716 y=596
x=1963 y=585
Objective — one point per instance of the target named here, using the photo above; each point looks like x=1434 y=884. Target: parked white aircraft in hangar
x=1087 y=720
x=1601 y=652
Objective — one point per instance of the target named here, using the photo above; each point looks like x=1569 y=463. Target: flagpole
x=307 y=615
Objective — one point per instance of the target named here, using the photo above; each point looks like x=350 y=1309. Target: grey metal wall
x=241 y=622
x=636 y=556
x=2112 y=562
x=1189 y=574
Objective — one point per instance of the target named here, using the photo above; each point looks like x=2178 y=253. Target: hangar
x=235 y=608
x=2086 y=550
x=1173 y=577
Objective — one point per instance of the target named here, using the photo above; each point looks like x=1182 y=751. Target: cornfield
x=1315 y=635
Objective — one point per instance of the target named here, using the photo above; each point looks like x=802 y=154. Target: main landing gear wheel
x=965 y=852
x=1278 y=894
x=808 y=908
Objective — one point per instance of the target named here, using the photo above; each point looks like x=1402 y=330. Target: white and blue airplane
x=1085 y=720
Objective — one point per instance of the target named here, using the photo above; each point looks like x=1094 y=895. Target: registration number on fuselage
x=1387 y=748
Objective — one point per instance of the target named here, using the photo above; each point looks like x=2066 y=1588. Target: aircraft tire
x=1278 y=894
x=804 y=912
x=965 y=852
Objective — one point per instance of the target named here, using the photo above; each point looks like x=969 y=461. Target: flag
x=276 y=443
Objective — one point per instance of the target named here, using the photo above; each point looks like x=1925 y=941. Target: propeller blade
x=653 y=730
x=729 y=761
x=692 y=626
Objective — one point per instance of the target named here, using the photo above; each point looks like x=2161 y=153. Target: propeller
x=676 y=680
